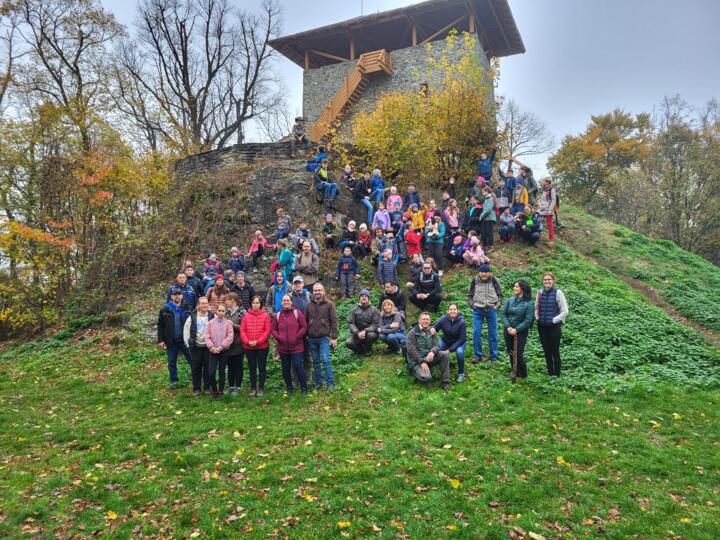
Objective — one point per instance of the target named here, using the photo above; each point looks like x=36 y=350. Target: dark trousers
x=436 y=252
x=217 y=362
x=487 y=233
x=431 y=302
x=200 y=360
x=550 y=340
x=510 y=345
x=235 y=369
x=288 y=362
x=257 y=366
x=361 y=346
x=257 y=254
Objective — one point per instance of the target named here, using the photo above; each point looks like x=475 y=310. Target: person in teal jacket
x=488 y=217
x=435 y=240
x=518 y=314
x=286 y=260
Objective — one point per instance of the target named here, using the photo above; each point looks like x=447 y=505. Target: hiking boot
x=318 y=387
x=260 y=392
x=446 y=387
x=461 y=377
x=174 y=385
x=252 y=393
x=196 y=392
x=477 y=359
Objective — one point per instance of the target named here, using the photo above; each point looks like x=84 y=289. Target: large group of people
x=216 y=319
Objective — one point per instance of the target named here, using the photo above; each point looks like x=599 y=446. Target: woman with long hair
x=517 y=316
x=551 y=310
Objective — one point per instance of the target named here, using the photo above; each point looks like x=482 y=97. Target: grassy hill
x=623 y=444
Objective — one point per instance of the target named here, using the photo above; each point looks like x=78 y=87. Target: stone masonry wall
x=321 y=84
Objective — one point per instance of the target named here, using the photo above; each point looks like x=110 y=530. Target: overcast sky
x=583 y=56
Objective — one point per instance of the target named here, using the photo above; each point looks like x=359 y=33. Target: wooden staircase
x=350 y=91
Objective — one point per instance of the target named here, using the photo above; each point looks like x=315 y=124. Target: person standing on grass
x=454 y=337
x=289 y=327
x=426 y=291
x=194 y=338
x=322 y=334
x=235 y=314
x=551 y=310
x=423 y=352
x=363 y=322
x=255 y=330
x=171 y=321
x=218 y=338
x=391 y=329
x=518 y=316
x=547 y=202
x=485 y=297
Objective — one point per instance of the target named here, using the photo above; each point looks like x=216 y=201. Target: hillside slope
x=623 y=444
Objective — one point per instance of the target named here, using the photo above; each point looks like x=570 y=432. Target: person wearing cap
x=217 y=293
x=194 y=338
x=423 y=352
x=299 y=135
x=363 y=322
x=243 y=289
x=189 y=300
x=258 y=248
x=322 y=334
x=426 y=291
x=236 y=262
x=329 y=232
x=307 y=265
x=170 y=323
x=346 y=272
x=485 y=297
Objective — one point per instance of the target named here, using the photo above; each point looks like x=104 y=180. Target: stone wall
x=229 y=159
x=321 y=84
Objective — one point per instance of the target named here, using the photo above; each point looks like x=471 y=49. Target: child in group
x=285 y=260
x=348 y=270
x=432 y=211
x=349 y=236
x=348 y=177
x=507 y=226
x=381 y=219
x=377 y=187
x=411 y=197
x=387 y=270
x=328 y=231
x=257 y=249
x=475 y=256
x=237 y=260
x=314 y=163
x=435 y=240
x=519 y=199
x=284 y=224
x=302 y=234
x=376 y=245
x=396 y=216
x=362 y=248
x=390 y=242
x=413 y=238
x=415 y=268
x=503 y=196
x=417 y=217
x=394 y=199
x=450 y=188
x=455 y=253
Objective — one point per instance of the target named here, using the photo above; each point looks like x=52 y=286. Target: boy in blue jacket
x=348 y=270
x=377 y=187
x=411 y=197
x=485 y=164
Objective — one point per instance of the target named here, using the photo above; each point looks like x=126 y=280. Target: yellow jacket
x=418 y=219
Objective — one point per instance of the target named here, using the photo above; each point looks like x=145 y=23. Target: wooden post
x=414 y=34
x=307 y=60
x=472 y=23
x=352 y=49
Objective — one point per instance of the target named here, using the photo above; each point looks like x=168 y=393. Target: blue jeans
x=459 y=353
x=172 y=354
x=396 y=340
x=320 y=352
x=506 y=231
x=377 y=194
x=289 y=361
x=481 y=315
x=367 y=204
x=329 y=189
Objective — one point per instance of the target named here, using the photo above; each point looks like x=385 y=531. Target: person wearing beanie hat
x=257 y=249
x=363 y=322
x=485 y=297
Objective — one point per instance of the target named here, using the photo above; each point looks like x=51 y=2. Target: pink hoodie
x=219 y=333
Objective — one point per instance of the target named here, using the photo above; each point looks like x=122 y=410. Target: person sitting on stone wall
x=324 y=181
x=329 y=232
x=303 y=234
x=284 y=224
x=299 y=135
x=314 y=163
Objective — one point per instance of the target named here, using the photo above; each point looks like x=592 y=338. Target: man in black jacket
x=243 y=289
x=426 y=292
x=393 y=292
x=171 y=321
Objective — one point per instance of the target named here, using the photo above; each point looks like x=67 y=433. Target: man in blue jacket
x=189 y=294
x=485 y=164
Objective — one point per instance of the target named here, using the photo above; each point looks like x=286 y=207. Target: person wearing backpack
x=485 y=297
x=551 y=310
x=289 y=328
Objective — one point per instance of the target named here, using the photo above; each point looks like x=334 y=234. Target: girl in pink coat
x=219 y=336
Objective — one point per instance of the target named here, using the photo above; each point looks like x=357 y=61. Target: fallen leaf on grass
x=111 y=515
x=536 y=536
x=343 y=524
x=454 y=483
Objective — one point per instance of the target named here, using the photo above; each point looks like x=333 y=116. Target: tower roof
x=404 y=27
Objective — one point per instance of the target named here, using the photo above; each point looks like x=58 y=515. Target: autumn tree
x=435 y=133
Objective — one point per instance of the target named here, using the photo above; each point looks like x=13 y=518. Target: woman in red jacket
x=255 y=336
x=289 y=328
x=219 y=336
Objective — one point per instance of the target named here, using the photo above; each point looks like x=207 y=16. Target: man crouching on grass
x=423 y=353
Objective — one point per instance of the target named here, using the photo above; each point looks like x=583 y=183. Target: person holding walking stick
x=517 y=316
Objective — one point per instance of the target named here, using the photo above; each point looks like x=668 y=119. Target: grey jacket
x=364 y=318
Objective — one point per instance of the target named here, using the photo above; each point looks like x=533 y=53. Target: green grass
x=688 y=282
x=624 y=444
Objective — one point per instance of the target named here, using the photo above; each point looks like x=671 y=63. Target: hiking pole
x=513 y=375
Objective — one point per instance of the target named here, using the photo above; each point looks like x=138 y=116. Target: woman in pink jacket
x=218 y=338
